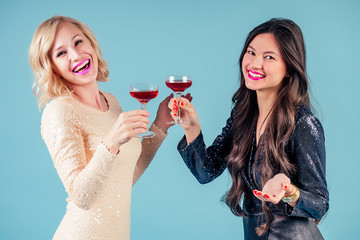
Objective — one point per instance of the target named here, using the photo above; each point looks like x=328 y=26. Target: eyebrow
x=61 y=45
x=267 y=52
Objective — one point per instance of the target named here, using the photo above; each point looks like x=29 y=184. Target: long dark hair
x=293 y=91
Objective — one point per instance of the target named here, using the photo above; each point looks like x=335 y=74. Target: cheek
x=244 y=66
x=57 y=67
x=281 y=73
x=282 y=69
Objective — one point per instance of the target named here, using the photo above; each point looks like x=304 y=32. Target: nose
x=73 y=54
x=257 y=62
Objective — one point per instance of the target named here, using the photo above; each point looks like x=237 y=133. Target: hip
x=282 y=227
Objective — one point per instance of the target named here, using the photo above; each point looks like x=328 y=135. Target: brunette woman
x=272 y=144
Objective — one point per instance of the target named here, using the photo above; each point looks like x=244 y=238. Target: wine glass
x=178 y=84
x=144 y=92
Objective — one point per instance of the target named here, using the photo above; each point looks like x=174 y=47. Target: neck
x=89 y=95
x=266 y=101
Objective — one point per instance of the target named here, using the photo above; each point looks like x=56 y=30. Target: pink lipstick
x=82 y=68
x=255 y=75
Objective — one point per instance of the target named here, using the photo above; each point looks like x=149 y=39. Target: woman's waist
x=99 y=213
x=106 y=203
x=95 y=223
x=253 y=206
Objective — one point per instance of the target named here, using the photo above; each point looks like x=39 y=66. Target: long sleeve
x=83 y=179
x=206 y=164
x=148 y=151
x=309 y=158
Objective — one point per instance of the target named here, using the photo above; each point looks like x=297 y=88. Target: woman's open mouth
x=255 y=75
x=82 y=67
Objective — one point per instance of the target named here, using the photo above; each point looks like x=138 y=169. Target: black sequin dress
x=305 y=149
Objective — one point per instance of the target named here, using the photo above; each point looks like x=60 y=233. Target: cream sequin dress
x=98 y=182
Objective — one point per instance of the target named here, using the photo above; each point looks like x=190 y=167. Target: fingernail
x=285 y=188
x=182 y=104
x=267 y=196
x=175 y=101
x=175 y=114
x=255 y=192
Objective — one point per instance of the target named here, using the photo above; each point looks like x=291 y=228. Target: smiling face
x=73 y=56
x=263 y=66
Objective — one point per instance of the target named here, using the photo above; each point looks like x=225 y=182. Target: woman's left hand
x=163 y=115
x=274 y=189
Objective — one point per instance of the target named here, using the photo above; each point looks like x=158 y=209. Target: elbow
x=322 y=209
x=83 y=201
x=83 y=206
x=204 y=178
x=203 y=175
x=203 y=181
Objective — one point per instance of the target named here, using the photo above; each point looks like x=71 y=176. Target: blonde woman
x=89 y=137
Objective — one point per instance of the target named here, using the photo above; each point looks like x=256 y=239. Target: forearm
x=89 y=182
x=203 y=162
x=192 y=133
x=309 y=204
x=149 y=148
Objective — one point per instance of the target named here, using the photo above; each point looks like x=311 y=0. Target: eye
x=78 y=42
x=269 y=57
x=251 y=52
x=59 y=54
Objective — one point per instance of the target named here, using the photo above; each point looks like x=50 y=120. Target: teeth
x=256 y=75
x=81 y=66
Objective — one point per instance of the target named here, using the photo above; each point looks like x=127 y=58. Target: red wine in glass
x=144 y=92
x=145 y=96
x=178 y=84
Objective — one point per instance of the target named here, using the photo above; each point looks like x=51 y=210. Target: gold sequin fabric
x=98 y=182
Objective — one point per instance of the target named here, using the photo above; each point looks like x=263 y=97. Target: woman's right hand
x=128 y=125
x=188 y=114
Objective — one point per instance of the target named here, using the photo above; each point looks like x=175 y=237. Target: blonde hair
x=48 y=85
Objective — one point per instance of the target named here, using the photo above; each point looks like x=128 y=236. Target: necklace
x=262 y=124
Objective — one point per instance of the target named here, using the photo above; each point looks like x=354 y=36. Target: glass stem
x=143 y=105
x=178 y=96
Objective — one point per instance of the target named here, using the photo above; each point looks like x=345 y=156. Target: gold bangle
x=291 y=198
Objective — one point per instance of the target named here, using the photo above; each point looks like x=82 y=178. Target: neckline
x=92 y=108
x=260 y=138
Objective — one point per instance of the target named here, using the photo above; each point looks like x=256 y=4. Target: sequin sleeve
x=62 y=134
x=148 y=151
x=309 y=158
x=206 y=164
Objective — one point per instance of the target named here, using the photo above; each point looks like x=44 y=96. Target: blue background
x=145 y=41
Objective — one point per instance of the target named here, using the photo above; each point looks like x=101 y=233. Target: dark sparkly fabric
x=305 y=149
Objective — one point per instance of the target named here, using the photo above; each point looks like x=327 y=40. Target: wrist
x=191 y=134
x=112 y=148
x=290 y=190
x=192 y=127
x=163 y=126
x=292 y=196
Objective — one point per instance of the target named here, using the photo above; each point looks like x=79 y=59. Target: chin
x=250 y=86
